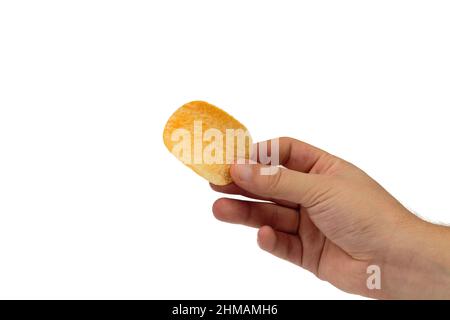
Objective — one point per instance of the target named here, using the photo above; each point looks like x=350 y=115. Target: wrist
x=417 y=266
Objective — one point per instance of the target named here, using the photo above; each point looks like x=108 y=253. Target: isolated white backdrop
x=92 y=205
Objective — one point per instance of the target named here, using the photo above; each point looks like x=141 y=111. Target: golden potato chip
x=207 y=140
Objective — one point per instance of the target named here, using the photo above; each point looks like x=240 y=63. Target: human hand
x=329 y=217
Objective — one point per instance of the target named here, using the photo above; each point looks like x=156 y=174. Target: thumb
x=276 y=182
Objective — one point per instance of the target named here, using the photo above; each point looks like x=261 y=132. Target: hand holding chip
x=317 y=210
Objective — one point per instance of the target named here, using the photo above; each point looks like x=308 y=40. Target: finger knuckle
x=274 y=182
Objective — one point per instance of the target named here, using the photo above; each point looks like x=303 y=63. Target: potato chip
x=207 y=140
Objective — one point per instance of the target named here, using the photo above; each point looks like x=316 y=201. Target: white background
x=92 y=205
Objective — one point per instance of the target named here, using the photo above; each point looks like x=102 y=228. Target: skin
x=328 y=216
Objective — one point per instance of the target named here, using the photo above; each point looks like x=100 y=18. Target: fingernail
x=244 y=171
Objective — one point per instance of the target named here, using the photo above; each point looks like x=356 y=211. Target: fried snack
x=207 y=140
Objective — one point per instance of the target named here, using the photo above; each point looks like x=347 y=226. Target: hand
x=329 y=217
